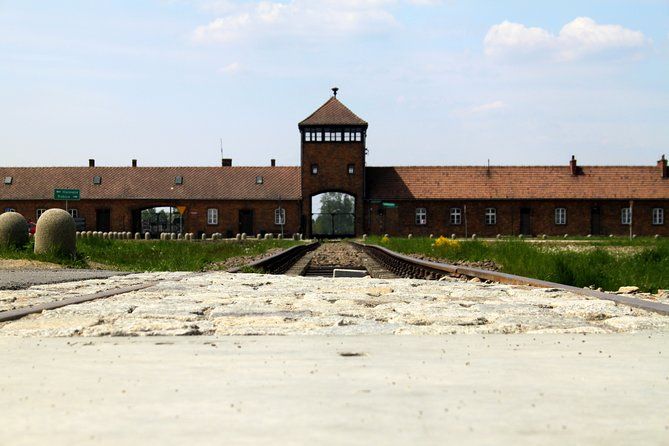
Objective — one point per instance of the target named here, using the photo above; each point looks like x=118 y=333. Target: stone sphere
x=13 y=230
x=55 y=233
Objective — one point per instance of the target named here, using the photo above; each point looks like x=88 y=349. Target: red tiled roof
x=333 y=112
x=516 y=182
x=199 y=183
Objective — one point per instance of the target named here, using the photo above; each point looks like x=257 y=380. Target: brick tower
x=333 y=157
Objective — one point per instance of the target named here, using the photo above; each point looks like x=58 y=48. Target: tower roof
x=333 y=112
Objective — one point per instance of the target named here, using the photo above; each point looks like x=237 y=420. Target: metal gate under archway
x=333 y=224
x=333 y=215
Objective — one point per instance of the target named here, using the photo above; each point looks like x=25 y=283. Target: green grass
x=131 y=255
x=646 y=266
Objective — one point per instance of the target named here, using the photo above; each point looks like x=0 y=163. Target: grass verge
x=138 y=256
x=646 y=267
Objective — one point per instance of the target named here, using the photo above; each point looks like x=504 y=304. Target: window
x=212 y=216
x=314 y=169
x=10 y=210
x=97 y=180
x=179 y=180
x=421 y=216
x=491 y=216
x=560 y=216
x=351 y=169
x=39 y=213
x=331 y=135
x=456 y=216
x=658 y=216
x=280 y=216
x=259 y=179
x=626 y=216
x=74 y=213
x=352 y=135
x=8 y=180
x=313 y=135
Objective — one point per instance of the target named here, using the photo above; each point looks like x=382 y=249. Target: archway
x=158 y=219
x=333 y=215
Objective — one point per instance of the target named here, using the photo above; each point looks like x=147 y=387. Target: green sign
x=389 y=205
x=66 y=194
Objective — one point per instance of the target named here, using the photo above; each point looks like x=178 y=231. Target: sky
x=440 y=82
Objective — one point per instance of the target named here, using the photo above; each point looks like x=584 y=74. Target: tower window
x=351 y=169
x=313 y=135
x=314 y=169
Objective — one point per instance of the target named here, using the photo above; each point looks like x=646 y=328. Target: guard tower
x=333 y=160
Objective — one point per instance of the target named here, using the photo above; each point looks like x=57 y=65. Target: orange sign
x=181 y=209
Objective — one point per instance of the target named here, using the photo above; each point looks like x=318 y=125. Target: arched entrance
x=158 y=219
x=333 y=215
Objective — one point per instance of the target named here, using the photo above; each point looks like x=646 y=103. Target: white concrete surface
x=219 y=303
x=543 y=389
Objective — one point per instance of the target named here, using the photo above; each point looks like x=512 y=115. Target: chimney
x=226 y=162
x=573 y=167
x=91 y=162
x=662 y=164
x=134 y=163
x=273 y=162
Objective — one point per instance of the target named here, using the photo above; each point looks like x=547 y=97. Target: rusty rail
x=281 y=262
x=410 y=267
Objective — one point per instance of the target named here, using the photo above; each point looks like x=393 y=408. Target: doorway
x=595 y=220
x=103 y=220
x=525 y=221
x=246 y=221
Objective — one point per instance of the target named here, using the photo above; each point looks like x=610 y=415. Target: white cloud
x=577 y=39
x=482 y=109
x=232 y=68
x=496 y=105
x=315 y=18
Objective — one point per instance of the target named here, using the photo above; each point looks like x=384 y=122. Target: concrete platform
x=522 y=389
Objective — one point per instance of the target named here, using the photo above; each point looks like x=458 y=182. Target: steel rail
x=411 y=267
x=18 y=313
x=280 y=262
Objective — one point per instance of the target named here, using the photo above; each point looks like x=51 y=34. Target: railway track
x=320 y=260
x=384 y=263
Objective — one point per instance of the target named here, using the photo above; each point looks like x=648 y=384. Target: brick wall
x=401 y=220
x=333 y=160
x=195 y=217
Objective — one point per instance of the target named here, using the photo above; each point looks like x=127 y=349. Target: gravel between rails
x=338 y=254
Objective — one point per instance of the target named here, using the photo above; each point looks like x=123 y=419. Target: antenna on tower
x=335 y=90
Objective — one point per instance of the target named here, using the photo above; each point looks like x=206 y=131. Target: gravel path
x=219 y=303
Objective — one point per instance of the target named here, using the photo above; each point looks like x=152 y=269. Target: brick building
x=421 y=200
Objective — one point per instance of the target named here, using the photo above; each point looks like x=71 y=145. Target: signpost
x=67 y=195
